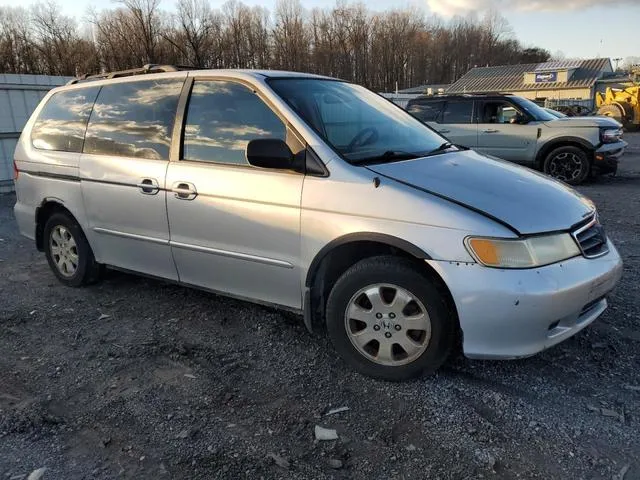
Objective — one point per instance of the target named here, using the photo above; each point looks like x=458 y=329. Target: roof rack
x=148 y=68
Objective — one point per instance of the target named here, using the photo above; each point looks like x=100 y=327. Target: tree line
x=399 y=47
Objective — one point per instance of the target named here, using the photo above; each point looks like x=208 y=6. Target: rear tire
x=68 y=251
x=568 y=164
x=389 y=321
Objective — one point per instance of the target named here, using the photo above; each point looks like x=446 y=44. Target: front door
x=234 y=228
x=123 y=169
x=501 y=133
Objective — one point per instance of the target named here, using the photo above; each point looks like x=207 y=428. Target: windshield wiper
x=388 y=156
x=442 y=148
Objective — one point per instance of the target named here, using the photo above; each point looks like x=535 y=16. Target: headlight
x=610 y=135
x=526 y=253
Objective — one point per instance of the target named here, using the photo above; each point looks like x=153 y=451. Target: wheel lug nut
x=398 y=327
x=392 y=315
x=378 y=315
x=376 y=327
x=388 y=334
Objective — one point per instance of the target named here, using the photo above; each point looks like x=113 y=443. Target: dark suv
x=516 y=129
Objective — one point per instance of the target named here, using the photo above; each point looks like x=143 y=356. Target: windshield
x=360 y=125
x=536 y=111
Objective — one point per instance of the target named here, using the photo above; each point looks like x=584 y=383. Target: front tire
x=68 y=251
x=388 y=320
x=568 y=164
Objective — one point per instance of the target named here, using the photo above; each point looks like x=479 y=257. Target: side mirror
x=519 y=120
x=270 y=153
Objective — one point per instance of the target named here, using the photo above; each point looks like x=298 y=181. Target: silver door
x=234 y=228
x=499 y=137
x=123 y=174
x=456 y=123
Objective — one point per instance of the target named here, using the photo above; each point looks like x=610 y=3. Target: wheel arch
x=48 y=207
x=343 y=252
x=565 y=141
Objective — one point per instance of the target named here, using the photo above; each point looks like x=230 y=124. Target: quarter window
x=427 y=111
x=458 y=112
x=134 y=119
x=63 y=120
x=222 y=118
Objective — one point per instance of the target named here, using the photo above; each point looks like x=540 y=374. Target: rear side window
x=458 y=111
x=222 y=118
x=63 y=120
x=134 y=119
x=426 y=111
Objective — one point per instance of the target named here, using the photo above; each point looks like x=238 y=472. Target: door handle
x=148 y=186
x=444 y=131
x=184 y=190
x=491 y=130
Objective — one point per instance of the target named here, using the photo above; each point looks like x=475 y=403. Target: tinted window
x=63 y=120
x=426 y=111
x=134 y=119
x=222 y=118
x=457 y=112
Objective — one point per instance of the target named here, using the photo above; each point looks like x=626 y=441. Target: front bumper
x=508 y=314
x=607 y=156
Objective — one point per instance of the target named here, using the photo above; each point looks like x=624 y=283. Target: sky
x=577 y=28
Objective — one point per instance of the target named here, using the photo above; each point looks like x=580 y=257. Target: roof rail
x=148 y=68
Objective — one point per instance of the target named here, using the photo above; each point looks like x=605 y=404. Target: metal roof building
x=423 y=89
x=559 y=80
x=19 y=96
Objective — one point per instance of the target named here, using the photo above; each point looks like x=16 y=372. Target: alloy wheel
x=64 y=251
x=566 y=166
x=387 y=324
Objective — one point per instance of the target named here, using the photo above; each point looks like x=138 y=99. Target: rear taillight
x=16 y=172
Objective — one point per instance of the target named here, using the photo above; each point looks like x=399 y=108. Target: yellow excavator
x=622 y=104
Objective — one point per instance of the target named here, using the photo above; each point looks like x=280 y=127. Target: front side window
x=534 y=110
x=63 y=120
x=426 y=111
x=500 y=112
x=222 y=118
x=134 y=119
x=360 y=125
x=458 y=111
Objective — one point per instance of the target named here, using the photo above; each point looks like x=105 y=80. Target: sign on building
x=546 y=77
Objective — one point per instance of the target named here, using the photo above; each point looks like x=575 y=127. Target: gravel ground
x=136 y=378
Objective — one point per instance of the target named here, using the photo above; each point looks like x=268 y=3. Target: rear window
x=134 y=119
x=63 y=120
x=426 y=111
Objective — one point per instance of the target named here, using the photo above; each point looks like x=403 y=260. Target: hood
x=569 y=122
x=526 y=201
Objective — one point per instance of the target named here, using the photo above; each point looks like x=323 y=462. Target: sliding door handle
x=184 y=190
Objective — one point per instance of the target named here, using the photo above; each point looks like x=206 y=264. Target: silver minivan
x=314 y=195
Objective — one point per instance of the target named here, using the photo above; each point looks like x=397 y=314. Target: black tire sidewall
x=86 y=261
x=586 y=167
x=396 y=271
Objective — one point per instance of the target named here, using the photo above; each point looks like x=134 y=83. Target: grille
x=592 y=239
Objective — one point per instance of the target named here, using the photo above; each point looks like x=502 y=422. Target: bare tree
x=291 y=39
x=193 y=32
x=17 y=44
x=377 y=49
x=61 y=49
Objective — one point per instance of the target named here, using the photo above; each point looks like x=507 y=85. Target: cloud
x=449 y=8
